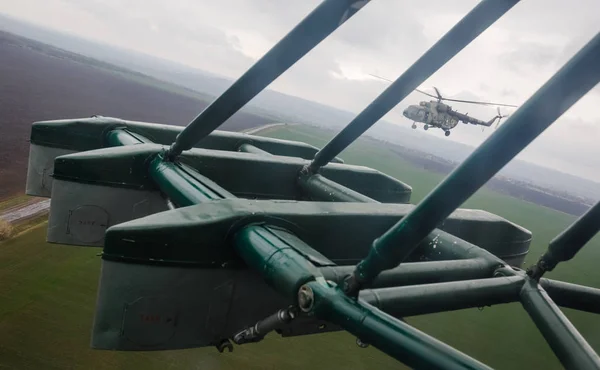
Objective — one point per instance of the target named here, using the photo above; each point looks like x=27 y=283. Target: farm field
x=48 y=295
x=40 y=82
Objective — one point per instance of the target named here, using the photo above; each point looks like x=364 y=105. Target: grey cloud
x=526 y=56
x=508 y=93
x=381 y=27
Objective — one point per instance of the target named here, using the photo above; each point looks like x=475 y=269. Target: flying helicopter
x=435 y=113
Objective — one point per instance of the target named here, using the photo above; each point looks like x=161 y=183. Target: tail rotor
x=499 y=116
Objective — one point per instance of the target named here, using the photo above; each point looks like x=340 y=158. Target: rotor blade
x=313 y=29
x=388 y=80
x=428 y=94
x=381 y=78
x=439 y=96
x=480 y=102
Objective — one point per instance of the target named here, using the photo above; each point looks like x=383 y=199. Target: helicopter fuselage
x=432 y=114
x=440 y=115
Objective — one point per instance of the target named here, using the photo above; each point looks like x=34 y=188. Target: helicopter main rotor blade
x=381 y=78
x=428 y=94
x=480 y=102
x=388 y=80
x=439 y=96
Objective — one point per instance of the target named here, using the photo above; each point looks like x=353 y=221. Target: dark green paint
x=569 y=346
x=199 y=234
x=183 y=185
x=315 y=27
x=120 y=166
x=128 y=166
x=320 y=188
x=473 y=242
x=569 y=84
x=282 y=267
x=82 y=134
x=249 y=148
x=573 y=296
x=441 y=297
x=122 y=137
x=466 y=30
x=398 y=339
x=281 y=183
x=414 y=273
x=566 y=245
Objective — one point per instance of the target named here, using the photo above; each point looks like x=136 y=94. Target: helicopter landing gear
x=426 y=127
x=447 y=133
x=414 y=125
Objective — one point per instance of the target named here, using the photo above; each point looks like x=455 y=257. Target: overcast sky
x=507 y=63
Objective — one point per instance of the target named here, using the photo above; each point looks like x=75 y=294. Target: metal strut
x=472 y=25
x=568 y=243
x=313 y=29
x=565 y=88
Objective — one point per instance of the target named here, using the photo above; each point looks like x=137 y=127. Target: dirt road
x=256 y=130
x=31 y=208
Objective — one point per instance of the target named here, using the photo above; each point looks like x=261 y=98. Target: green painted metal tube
x=578 y=297
x=569 y=346
x=566 y=245
x=121 y=137
x=183 y=185
x=399 y=340
x=249 y=148
x=569 y=84
x=420 y=272
x=449 y=296
x=472 y=25
x=321 y=188
x=446 y=245
x=282 y=267
x=321 y=22
x=449 y=247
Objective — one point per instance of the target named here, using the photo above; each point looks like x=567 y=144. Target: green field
x=48 y=292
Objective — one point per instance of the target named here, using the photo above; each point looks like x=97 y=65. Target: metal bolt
x=224 y=344
x=351 y=286
x=305 y=298
x=361 y=344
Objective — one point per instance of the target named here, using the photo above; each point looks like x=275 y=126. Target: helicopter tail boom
x=474 y=121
